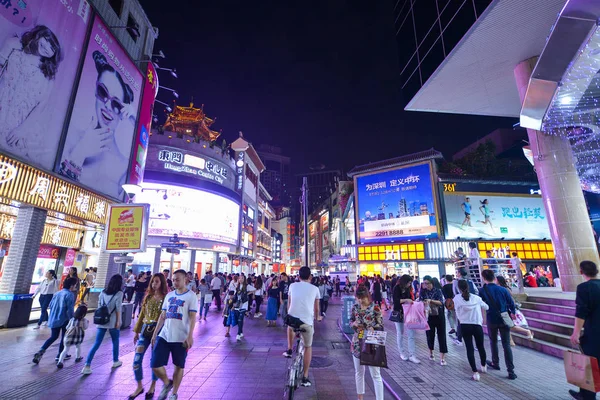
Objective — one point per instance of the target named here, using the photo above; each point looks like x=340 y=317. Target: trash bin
x=348 y=302
x=20 y=308
x=126 y=315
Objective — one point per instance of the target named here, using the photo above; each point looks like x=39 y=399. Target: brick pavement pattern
x=221 y=368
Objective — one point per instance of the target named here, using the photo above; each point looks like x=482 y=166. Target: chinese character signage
x=126 y=228
x=396 y=205
x=481 y=215
x=102 y=126
x=40 y=47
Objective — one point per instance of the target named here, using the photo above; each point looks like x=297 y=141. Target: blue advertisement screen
x=396 y=205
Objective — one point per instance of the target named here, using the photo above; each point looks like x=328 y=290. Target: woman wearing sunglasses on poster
x=96 y=147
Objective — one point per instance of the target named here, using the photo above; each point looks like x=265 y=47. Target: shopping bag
x=208 y=298
x=582 y=371
x=520 y=319
x=414 y=316
x=231 y=319
x=372 y=355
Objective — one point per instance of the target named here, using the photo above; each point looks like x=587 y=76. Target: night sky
x=318 y=78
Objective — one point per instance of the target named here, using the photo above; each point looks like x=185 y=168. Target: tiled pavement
x=220 y=368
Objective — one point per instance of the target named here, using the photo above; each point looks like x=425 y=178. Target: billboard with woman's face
x=40 y=48
x=100 y=134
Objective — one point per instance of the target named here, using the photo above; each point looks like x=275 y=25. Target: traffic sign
x=174 y=245
x=174 y=238
x=123 y=259
x=174 y=251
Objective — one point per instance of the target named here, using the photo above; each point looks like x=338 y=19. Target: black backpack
x=101 y=315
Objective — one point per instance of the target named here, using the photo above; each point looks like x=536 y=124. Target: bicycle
x=296 y=371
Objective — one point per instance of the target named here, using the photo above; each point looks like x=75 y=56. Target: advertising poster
x=140 y=145
x=396 y=205
x=493 y=216
x=102 y=126
x=126 y=228
x=41 y=43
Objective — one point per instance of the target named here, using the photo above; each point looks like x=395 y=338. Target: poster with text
x=495 y=216
x=126 y=228
x=396 y=205
x=41 y=43
x=100 y=134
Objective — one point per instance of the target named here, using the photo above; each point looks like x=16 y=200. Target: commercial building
x=286 y=227
x=56 y=186
x=321 y=184
x=277 y=177
x=264 y=239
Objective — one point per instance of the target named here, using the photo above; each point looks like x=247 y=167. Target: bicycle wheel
x=290 y=385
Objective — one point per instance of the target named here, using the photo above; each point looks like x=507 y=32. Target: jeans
x=217 y=296
x=137 y=301
x=203 y=307
x=56 y=332
x=284 y=309
x=129 y=292
x=240 y=320
x=452 y=319
x=323 y=304
x=505 y=337
x=410 y=334
x=437 y=323
x=469 y=332
x=259 y=300
x=359 y=377
x=140 y=349
x=114 y=335
x=45 y=300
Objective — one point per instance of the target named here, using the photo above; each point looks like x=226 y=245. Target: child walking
x=74 y=335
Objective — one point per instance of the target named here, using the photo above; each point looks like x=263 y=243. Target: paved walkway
x=221 y=368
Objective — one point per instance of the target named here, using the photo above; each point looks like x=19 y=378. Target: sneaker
x=306 y=382
x=165 y=390
x=173 y=397
x=36 y=327
x=512 y=376
x=117 y=364
x=204 y=318
x=443 y=363
x=59 y=365
x=287 y=353
x=476 y=377
x=242 y=334
x=414 y=360
x=452 y=332
x=238 y=338
x=404 y=357
x=68 y=357
x=255 y=315
x=324 y=314
x=227 y=334
x=37 y=357
x=86 y=370
x=45 y=323
x=457 y=342
x=79 y=359
x=483 y=369
x=575 y=394
x=432 y=357
x=492 y=365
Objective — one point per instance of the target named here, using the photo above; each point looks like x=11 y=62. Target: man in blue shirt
x=61 y=312
x=466 y=207
x=499 y=300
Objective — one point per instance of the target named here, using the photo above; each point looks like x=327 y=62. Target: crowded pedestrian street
x=222 y=368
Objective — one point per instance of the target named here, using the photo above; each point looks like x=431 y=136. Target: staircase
x=551 y=321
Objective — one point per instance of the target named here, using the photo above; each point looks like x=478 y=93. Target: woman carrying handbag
x=402 y=295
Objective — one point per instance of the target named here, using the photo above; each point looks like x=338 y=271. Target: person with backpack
x=61 y=312
x=74 y=335
x=107 y=318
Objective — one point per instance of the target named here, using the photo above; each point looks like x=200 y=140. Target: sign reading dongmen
x=493 y=216
x=175 y=160
x=396 y=205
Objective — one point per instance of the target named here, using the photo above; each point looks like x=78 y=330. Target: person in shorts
x=303 y=304
x=176 y=326
x=466 y=207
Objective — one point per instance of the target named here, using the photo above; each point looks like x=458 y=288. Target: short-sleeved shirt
x=467 y=207
x=303 y=296
x=177 y=321
x=114 y=304
x=284 y=288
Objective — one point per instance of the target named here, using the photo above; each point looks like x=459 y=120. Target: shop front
x=390 y=259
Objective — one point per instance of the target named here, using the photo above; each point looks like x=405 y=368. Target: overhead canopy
x=477 y=76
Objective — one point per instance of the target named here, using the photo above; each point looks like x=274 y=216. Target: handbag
x=148 y=330
x=372 y=355
x=582 y=371
x=396 y=316
x=506 y=319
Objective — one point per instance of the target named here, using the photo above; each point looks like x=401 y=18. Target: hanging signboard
x=127 y=228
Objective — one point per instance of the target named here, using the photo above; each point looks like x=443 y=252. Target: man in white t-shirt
x=177 y=321
x=129 y=285
x=303 y=304
x=215 y=286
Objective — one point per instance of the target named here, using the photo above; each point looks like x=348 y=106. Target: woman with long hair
x=46 y=290
x=273 y=293
x=434 y=299
x=144 y=329
x=28 y=65
x=366 y=316
x=241 y=301
x=402 y=294
x=485 y=211
x=93 y=154
x=258 y=296
x=112 y=298
x=468 y=311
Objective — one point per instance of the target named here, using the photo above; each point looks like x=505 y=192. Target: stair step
x=549 y=348
x=551 y=326
x=549 y=300
x=548 y=316
x=552 y=308
x=551 y=337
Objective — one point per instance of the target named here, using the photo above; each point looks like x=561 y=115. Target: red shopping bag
x=582 y=371
x=414 y=316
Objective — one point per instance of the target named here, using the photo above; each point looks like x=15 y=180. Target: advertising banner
x=396 y=205
x=140 y=145
x=193 y=214
x=490 y=215
x=126 y=228
x=102 y=126
x=41 y=43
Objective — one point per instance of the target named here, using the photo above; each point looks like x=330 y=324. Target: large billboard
x=41 y=43
x=100 y=134
x=487 y=215
x=396 y=205
x=189 y=213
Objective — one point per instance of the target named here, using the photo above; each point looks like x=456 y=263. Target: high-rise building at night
x=321 y=184
x=277 y=177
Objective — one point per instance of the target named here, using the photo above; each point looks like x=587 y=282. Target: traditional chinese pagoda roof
x=431 y=154
x=191 y=121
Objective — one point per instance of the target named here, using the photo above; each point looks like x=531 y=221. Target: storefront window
x=432 y=270
x=143 y=261
x=205 y=261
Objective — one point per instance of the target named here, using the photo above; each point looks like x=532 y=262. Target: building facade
x=277 y=177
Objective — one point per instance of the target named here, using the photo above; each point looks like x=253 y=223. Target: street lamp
x=160 y=54
x=172 y=71
x=168 y=108
x=171 y=90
